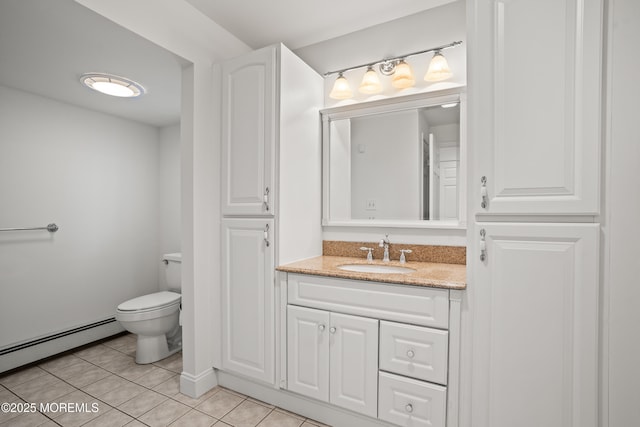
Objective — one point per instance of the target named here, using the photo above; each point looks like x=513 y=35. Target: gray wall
x=385 y=166
x=97 y=177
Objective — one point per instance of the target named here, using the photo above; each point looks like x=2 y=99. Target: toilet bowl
x=154 y=318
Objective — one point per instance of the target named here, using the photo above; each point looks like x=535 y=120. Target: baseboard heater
x=49 y=345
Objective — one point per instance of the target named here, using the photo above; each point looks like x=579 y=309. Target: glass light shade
x=113 y=89
x=438 y=69
x=112 y=85
x=370 y=82
x=341 y=89
x=403 y=76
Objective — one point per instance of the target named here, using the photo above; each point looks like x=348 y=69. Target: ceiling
x=299 y=23
x=46 y=45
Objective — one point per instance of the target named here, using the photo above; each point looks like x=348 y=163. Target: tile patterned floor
x=116 y=392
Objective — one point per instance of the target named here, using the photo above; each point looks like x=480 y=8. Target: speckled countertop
x=437 y=275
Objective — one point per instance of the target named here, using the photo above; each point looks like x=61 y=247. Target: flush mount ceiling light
x=398 y=68
x=112 y=85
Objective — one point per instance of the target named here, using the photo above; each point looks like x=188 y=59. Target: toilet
x=154 y=318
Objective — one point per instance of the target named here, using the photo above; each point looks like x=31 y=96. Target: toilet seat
x=149 y=306
x=151 y=301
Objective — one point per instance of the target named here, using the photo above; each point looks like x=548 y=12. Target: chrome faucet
x=384 y=243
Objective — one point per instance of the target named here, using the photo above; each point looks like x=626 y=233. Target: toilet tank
x=173 y=271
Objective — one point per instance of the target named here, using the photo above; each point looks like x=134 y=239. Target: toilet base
x=150 y=349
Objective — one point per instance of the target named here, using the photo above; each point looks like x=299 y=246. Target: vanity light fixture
x=112 y=85
x=370 y=82
x=403 y=76
x=438 y=68
x=341 y=89
x=398 y=68
x=451 y=105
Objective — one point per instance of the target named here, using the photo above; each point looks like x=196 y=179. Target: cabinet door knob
x=409 y=408
x=321 y=328
x=410 y=354
x=332 y=329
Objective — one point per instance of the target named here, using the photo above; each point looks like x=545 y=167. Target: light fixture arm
x=388 y=65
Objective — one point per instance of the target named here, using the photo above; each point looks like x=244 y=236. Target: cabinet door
x=248 y=133
x=308 y=352
x=354 y=363
x=535 y=98
x=248 y=323
x=536 y=326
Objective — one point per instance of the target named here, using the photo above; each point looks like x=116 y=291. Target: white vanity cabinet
x=249 y=133
x=333 y=357
x=537 y=293
x=247 y=295
x=535 y=113
x=386 y=351
x=271 y=196
x=535 y=105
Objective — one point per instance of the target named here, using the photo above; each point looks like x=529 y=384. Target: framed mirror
x=397 y=162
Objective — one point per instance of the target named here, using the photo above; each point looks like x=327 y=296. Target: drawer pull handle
x=483 y=193
x=266 y=235
x=265 y=199
x=332 y=330
x=483 y=245
x=410 y=354
x=321 y=328
x=409 y=408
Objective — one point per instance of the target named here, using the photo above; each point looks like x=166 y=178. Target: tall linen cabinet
x=534 y=197
x=271 y=195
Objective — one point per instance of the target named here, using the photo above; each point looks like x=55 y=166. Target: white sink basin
x=376 y=268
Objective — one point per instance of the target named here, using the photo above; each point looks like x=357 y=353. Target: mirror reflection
x=402 y=164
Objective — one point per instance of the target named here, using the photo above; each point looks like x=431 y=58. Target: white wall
x=96 y=176
x=447 y=134
x=385 y=166
x=621 y=233
x=169 y=194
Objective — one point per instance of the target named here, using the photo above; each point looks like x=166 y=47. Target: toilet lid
x=146 y=302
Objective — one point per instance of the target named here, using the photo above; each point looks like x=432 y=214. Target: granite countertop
x=436 y=275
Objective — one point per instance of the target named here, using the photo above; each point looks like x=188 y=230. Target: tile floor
x=116 y=392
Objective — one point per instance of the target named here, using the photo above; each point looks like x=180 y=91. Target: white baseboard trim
x=316 y=410
x=196 y=386
x=53 y=345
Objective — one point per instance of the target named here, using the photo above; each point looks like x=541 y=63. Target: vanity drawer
x=407 y=304
x=414 y=351
x=408 y=402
